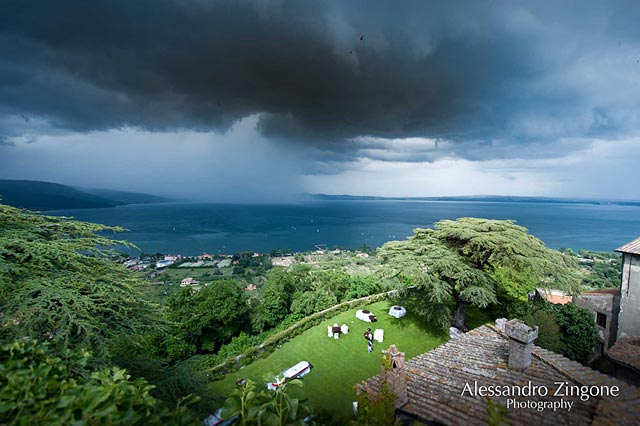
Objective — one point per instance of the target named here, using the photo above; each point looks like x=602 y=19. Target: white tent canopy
x=366 y=315
x=397 y=311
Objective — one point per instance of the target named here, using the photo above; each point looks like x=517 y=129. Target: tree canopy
x=57 y=283
x=60 y=285
x=249 y=406
x=462 y=263
x=39 y=387
x=211 y=316
x=565 y=329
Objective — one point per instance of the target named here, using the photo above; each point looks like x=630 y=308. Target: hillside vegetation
x=36 y=195
x=81 y=341
x=67 y=309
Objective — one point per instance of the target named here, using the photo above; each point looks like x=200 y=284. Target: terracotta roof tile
x=556 y=297
x=626 y=351
x=436 y=380
x=559 y=300
x=633 y=247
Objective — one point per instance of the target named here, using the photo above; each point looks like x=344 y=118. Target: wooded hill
x=37 y=195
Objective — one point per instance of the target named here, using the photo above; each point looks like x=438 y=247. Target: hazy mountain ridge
x=478 y=198
x=124 y=197
x=39 y=195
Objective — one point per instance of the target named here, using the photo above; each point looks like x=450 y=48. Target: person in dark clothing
x=369 y=336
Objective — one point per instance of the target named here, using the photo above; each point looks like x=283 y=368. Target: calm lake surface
x=194 y=228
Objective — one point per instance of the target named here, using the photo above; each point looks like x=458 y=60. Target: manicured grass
x=339 y=364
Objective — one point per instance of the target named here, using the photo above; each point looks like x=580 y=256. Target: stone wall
x=629 y=318
x=607 y=304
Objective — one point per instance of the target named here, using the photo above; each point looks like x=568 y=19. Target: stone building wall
x=604 y=304
x=629 y=318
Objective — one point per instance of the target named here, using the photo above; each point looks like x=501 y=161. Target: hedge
x=233 y=363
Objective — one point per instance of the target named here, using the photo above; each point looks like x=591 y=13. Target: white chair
x=378 y=334
x=329 y=332
x=344 y=329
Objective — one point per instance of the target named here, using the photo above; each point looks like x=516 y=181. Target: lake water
x=194 y=228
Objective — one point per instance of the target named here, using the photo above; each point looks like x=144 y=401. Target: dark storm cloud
x=317 y=72
x=4 y=141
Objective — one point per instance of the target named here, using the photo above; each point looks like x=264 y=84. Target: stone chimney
x=392 y=372
x=521 y=338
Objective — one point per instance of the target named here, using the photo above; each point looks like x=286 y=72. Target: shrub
x=549 y=336
x=38 y=387
x=578 y=331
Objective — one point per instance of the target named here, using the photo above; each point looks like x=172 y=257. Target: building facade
x=629 y=317
x=605 y=306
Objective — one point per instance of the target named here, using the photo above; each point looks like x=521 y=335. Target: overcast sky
x=258 y=100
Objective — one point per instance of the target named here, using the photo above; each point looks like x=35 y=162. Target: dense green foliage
x=58 y=284
x=40 y=387
x=309 y=302
x=264 y=407
x=460 y=263
x=565 y=329
x=363 y=285
x=286 y=296
x=248 y=265
x=549 y=335
x=300 y=291
x=578 y=331
x=599 y=269
x=275 y=299
x=211 y=316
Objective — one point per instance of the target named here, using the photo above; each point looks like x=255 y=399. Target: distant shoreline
x=476 y=198
x=194 y=228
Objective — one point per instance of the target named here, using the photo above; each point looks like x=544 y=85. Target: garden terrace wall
x=233 y=363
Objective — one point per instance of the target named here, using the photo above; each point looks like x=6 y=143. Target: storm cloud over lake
x=259 y=100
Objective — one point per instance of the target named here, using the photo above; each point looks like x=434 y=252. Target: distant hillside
x=125 y=197
x=37 y=195
x=477 y=198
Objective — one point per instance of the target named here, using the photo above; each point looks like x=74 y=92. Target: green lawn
x=339 y=364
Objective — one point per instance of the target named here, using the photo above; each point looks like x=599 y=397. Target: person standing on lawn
x=369 y=336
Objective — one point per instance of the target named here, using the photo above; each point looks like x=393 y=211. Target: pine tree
x=455 y=265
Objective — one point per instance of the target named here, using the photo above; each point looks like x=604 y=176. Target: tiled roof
x=436 y=379
x=558 y=300
x=626 y=351
x=633 y=247
x=557 y=297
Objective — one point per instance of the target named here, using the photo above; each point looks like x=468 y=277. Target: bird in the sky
x=362 y=37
